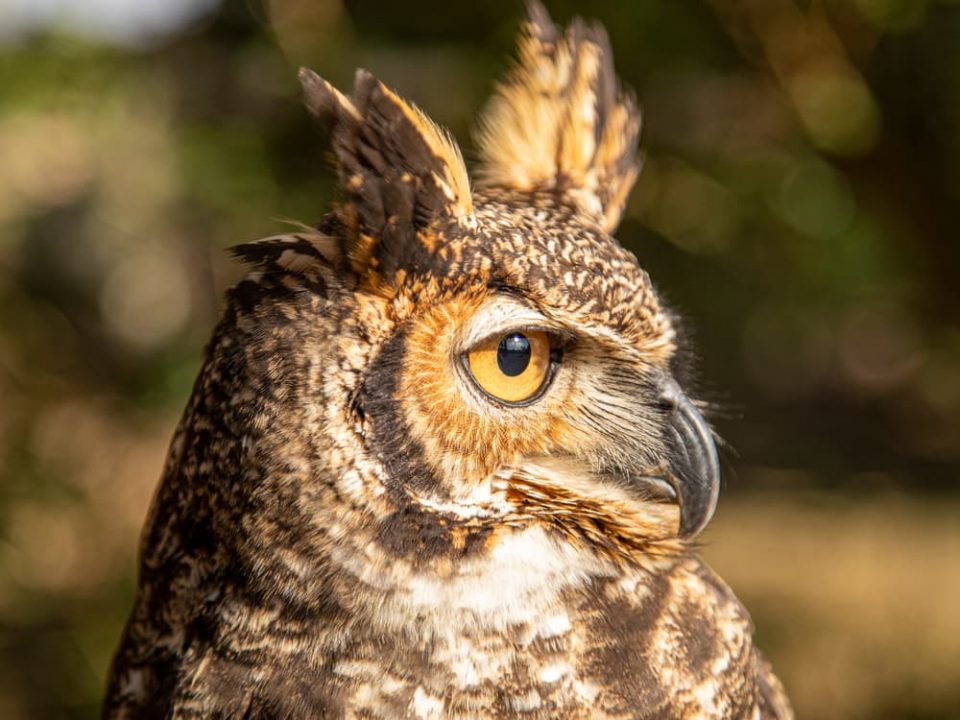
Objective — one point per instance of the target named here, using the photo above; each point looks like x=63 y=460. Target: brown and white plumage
x=352 y=524
x=561 y=121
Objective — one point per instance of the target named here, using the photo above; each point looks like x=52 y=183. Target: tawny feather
x=561 y=121
x=402 y=173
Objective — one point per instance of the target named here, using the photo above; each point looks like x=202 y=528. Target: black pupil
x=513 y=354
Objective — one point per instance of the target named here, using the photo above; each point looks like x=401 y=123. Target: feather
x=560 y=121
x=400 y=171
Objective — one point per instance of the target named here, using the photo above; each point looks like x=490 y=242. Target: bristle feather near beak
x=616 y=521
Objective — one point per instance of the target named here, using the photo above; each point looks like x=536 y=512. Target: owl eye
x=513 y=368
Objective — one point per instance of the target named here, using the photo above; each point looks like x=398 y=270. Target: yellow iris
x=512 y=367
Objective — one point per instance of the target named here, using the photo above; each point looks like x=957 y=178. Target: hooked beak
x=694 y=466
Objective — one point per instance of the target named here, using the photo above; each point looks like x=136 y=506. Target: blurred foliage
x=799 y=208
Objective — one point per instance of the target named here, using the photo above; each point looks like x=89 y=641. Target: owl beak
x=694 y=466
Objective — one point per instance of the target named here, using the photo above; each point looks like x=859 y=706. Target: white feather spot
x=586 y=691
x=552 y=673
x=426 y=706
x=526 y=702
x=706 y=695
x=554 y=625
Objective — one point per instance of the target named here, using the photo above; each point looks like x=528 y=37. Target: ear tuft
x=561 y=121
x=400 y=171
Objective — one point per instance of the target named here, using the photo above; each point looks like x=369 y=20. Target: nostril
x=667 y=404
x=669 y=394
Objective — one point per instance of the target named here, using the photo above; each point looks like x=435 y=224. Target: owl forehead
x=569 y=267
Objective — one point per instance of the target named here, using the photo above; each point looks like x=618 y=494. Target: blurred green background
x=799 y=205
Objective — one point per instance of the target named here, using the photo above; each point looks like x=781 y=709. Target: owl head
x=499 y=358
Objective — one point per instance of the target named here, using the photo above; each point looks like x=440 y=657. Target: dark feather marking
x=389 y=436
x=386 y=166
x=636 y=685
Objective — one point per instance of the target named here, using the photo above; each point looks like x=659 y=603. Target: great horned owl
x=436 y=464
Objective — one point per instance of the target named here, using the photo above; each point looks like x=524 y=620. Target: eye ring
x=514 y=368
